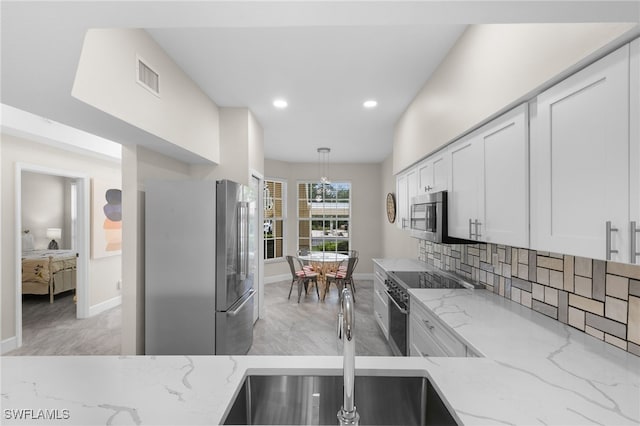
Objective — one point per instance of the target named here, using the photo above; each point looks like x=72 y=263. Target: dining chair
x=350 y=280
x=301 y=276
x=306 y=263
x=342 y=276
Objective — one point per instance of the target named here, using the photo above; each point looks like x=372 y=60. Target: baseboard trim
x=277 y=278
x=104 y=306
x=8 y=345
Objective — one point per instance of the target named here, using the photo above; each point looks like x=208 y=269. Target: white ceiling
x=325 y=73
x=324 y=57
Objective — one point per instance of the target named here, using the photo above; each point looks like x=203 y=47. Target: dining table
x=323 y=262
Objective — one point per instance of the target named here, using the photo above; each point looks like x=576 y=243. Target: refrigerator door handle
x=246 y=239
x=234 y=312
x=243 y=238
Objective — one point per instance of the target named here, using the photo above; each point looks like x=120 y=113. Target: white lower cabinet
x=428 y=336
x=380 y=300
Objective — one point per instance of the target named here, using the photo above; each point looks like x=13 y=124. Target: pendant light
x=323 y=161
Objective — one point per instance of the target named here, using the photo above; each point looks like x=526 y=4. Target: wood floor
x=309 y=328
x=53 y=329
x=289 y=328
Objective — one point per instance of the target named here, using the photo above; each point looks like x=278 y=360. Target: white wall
x=256 y=144
x=234 y=148
x=241 y=148
x=366 y=208
x=106 y=79
x=103 y=273
x=43 y=206
x=491 y=68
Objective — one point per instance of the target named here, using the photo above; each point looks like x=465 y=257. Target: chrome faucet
x=346 y=321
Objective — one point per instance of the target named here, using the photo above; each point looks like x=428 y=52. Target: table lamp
x=54 y=234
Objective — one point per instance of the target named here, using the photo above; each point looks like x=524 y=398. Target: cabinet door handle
x=402 y=311
x=427 y=188
x=428 y=324
x=634 y=232
x=478 y=223
x=470 y=233
x=609 y=230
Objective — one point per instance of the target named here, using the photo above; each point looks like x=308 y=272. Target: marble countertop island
x=183 y=390
x=533 y=371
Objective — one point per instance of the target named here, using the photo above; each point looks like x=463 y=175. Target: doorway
x=68 y=230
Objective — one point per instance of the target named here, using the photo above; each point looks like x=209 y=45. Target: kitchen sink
x=315 y=400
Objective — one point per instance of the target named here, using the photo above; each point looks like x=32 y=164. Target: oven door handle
x=402 y=311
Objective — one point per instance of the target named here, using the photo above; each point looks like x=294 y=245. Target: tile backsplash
x=598 y=297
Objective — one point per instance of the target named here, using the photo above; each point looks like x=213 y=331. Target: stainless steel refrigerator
x=199 y=291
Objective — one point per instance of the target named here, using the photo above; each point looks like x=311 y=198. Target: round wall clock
x=391 y=207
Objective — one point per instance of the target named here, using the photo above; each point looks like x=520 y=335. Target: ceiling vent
x=147 y=77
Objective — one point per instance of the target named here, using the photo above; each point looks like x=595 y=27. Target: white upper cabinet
x=402 y=202
x=412 y=185
x=433 y=174
x=580 y=167
x=430 y=175
x=406 y=188
x=505 y=204
x=634 y=161
x=488 y=185
x=464 y=187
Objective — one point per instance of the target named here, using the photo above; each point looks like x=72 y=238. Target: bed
x=48 y=272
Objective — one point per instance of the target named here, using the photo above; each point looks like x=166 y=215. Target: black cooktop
x=432 y=279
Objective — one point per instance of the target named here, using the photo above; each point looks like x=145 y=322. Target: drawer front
x=422 y=343
x=382 y=316
x=381 y=313
x=429 y=323
x=379 y=273
x=380 y=291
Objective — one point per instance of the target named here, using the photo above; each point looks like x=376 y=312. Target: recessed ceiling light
x=370 y=103
x=280 y=103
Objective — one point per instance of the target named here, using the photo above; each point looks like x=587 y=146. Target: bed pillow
x=27 y=242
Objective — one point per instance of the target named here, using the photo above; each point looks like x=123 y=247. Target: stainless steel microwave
x=428 y=218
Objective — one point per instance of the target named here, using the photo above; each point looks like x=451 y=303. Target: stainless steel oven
x=398 y=316
x=397 y=286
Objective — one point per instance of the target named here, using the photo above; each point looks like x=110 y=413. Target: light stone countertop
x=401 y=265
x=176 y=390
x=555 y=374
x=196 y=390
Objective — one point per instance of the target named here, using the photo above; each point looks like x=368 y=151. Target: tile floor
x=289 y=328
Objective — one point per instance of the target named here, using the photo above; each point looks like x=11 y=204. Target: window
x=274 y=208
x=324 y=216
